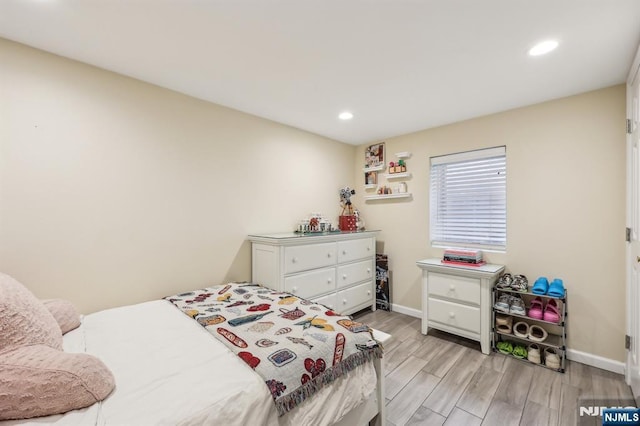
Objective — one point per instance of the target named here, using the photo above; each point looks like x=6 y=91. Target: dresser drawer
x=355 y=249
x=455 y=315
x=349 y=298
x=454 y=287
x=354 y=272
x=329 y=300
x=312 y=283
x=312 y=256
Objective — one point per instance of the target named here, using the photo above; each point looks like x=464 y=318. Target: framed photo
x=371 y=178
x=374 y=155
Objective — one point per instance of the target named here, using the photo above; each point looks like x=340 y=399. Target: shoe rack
x=557 y=332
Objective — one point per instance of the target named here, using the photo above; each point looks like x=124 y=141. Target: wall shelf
x=403 y=154
x=374 y=169
x=370 y=186
x=387 y=196
x=406 y=175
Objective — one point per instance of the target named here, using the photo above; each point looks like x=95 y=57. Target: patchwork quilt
x=297 y=346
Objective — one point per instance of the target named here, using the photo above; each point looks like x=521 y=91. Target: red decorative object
x=347 y=223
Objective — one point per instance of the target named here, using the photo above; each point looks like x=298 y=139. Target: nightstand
x=457 y=299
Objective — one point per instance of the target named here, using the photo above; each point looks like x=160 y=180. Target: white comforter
x=171 y=371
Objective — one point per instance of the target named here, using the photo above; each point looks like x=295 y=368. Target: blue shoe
x=556 y=288
x=541 y=286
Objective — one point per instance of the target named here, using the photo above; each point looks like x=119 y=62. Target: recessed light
x=543 y=47
x=346 y=115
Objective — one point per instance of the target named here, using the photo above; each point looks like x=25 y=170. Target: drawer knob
x=329 y=280
x=344 y=301
x=344 y=276
x=369 y=271
x=294 y=289
x=452 y=315
x=344 y=252
x=294 y=260
x=452 y=288
x=329 y=254
x=368 y=248
x=368 y=292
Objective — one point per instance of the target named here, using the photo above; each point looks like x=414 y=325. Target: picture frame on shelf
x=371 y=178
x=374 y=155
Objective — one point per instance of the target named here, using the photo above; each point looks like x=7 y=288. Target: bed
x=170 y=371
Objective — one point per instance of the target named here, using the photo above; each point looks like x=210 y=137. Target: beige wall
x=113 y=191
x=565 y=211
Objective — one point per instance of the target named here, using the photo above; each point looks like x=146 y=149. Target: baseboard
x=406 y=311
x=572 y=354
x=596 y=361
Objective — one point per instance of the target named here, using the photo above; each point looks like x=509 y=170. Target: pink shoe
x=551 y=312
x=535 y=310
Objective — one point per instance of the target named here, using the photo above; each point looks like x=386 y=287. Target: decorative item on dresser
x=336 y=270
x=457 y=299
x=347 y=220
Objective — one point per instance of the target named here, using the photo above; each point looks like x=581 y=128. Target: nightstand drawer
x=356 y=249
x=464 y=289
x=351 y=297
x=310 y=284
x=455 y=315
x=312 y=256
x=354 y=272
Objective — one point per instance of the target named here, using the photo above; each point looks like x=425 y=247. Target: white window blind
x=468 y=201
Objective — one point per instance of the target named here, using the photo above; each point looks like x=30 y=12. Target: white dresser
x=457 y=299
x=335 y=269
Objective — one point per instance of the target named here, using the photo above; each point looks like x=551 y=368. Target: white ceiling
x=398 y=65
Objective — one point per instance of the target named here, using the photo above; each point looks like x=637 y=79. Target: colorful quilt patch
x=295 y=345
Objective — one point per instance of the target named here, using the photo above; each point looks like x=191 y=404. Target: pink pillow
x=38 y=380
x=64 y=313
x=24 y=320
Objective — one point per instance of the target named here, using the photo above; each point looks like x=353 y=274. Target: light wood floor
x=440 y=379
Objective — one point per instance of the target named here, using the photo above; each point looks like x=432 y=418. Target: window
x=468 y=201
